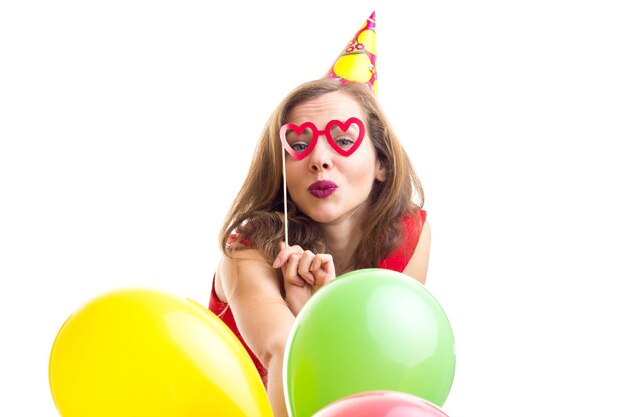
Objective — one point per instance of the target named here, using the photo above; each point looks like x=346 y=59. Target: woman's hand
x=303 y=274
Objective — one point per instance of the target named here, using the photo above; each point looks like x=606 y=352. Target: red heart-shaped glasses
x=344 y=137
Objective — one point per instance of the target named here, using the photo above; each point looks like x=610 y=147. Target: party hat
x=357 y=62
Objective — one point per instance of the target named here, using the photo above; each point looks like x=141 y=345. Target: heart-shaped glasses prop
x=344 y=137
x=299 y=141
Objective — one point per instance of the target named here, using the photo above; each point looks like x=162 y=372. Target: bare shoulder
x=245 y=271
x=418 y=264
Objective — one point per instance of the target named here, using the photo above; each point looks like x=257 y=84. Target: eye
x=299 y=147
x=344 y=143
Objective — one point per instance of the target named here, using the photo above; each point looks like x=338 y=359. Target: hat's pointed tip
x=357 y=62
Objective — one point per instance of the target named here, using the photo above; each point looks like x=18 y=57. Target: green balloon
x=368 y=330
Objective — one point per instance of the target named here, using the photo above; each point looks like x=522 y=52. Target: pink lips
x=322 y=189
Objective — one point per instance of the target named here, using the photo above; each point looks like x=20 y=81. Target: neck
x=342 y=237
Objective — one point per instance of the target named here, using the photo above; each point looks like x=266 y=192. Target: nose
x=322 y=157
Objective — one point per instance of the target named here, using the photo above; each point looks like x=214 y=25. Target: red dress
x=396 y=261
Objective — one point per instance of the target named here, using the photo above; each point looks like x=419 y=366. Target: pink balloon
x=381 y=404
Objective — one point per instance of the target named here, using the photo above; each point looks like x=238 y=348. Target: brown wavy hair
x=256 y=215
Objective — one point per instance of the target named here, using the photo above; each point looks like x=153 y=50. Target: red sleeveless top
x=397 y=260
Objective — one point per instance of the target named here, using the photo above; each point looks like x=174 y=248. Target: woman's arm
x=418 y=264
x=252 y=289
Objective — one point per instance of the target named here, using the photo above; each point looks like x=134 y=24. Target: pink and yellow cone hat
x=357 y=62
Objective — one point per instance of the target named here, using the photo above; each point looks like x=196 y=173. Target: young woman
x=354 y=202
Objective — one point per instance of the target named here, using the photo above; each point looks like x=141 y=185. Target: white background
x=126 y=129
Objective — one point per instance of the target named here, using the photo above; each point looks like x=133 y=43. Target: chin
x=329 y=218
x=322 y=217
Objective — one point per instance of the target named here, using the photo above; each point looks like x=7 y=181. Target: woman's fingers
x=288 y=260
x=323 y=268
x=290 y=271
x=304 y=267
x=285 y=253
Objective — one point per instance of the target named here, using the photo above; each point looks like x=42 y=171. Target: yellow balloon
x=139 y=353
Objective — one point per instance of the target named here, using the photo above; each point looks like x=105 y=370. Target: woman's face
x=326 y=185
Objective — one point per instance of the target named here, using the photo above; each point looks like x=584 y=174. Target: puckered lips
x=322 y=188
